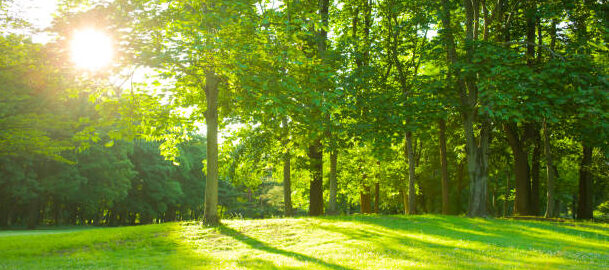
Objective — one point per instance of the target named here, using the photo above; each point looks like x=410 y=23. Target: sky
x=37 y=12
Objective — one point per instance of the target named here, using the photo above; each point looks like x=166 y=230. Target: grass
x=352 y=242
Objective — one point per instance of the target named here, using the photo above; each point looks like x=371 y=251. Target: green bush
x=604 y=208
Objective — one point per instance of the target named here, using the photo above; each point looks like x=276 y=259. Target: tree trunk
x=287 y=182
x=315 y=151
x=33 y=217
x=522 y=203
x=3 y=214
x=507 y=194
x=287 y=185
x=530 y=31
x=477 y=165
x=377 y=197
x=477 y=150
x=404 y=195
x=411 y=175
x=332 y=204
x=584 y=202
x=550 y=210
x=364 y=199
x=535 y=159
x=445 y=199
x=460 y=187
x=494 y=200
x=316 y=185
x=210 y=214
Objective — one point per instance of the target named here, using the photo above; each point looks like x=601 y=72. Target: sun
x=91 y=49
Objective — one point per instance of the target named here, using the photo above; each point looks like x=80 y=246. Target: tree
x=203 y=43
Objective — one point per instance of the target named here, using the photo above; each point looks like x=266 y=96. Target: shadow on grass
x=257 y=244
x=559 y=242
x=263 y=264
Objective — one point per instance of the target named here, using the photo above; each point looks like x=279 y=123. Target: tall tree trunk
x=535 y=159
x=377 y=197
x=460 y=187
x=411 y=175
x=477 y=165
x=210 y=214
x=477 y=150
x=494 y=199
x=584 y=202
x=287 y=185
x=522 y=203
x=445 y=199
x=287 y=181
x=531 y=20
x=507 y=194
x=550 y=210
x=332 y=204
x=316 y=185
x=315 y=151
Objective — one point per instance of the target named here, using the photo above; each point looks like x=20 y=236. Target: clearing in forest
x=350 y=242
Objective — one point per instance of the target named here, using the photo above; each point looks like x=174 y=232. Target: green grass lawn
x=353 y=242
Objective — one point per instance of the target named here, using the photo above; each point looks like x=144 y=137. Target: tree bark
x=210 y=214
x=507 y=194
x=584 y=201
x=315 y=152
x=287 y=185
x=445 y=199
x=535 y=159
x=364 y=200
x=411 y=175
x=332 y=204
x=550 y=210
x=377 y=197
x=477 y=150
x=530 y=31
x=404 y=195
x=287 y=181
x=460 y=187
x=522 y=203
x=477 y=156
x=316 y=185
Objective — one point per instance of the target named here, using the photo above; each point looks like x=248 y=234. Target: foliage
x=604 y=208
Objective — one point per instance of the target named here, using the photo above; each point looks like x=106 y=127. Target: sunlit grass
x=354 y=242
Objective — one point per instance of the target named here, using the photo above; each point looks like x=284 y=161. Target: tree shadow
x=500 y=233
x=257 y=244
x=262 y=264
x=444 y=234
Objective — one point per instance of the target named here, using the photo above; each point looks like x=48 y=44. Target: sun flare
x=91 y=49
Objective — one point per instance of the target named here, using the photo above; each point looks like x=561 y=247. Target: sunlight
x=91 y=49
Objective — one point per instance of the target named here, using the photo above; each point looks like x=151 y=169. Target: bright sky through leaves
x=91 y=49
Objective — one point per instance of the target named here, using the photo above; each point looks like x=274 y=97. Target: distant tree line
x=128 y=183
